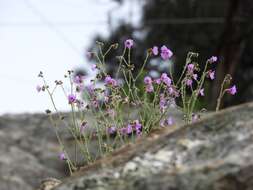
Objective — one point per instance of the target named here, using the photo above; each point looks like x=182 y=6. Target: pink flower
x=148 y=80
x=162 y=103
x=190 y=68
x=211 y=74
x=155 y=50
x=71 y=98
x=170 y=121
x=129 y=129
x=110 y=81
x=158 y=81
x=91 y=89
x=129 y=43
x=166 y=53
x=188 y=82
x=201 y=92
x=62 y=156
x=195 y=76
x=78 y=79
x=232 y=90
x=38 y=88
x=213 y=59
x=149 y=88
x=112 y=130
x=166 y=79
x=93 y=67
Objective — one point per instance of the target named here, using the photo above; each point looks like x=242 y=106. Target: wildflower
x=78 y=79
x=166 y=53
x=201 y=92
x=213 y=59
x=158 y=81
x=110 y=81
x=123 y=130
x=195 y=117
x=71 y=98
x=195 y=76
x=62 y=156
x=149 y=88
x=38 y=88
x=129 y=43
x=91 y=89
x=166 y=79
x=188 y=82
x=162 y=103
x=211 y=74
x=148 y=80
x=155 y=50
x=93 y=67
x=232 y=90
x=129 y=129
x=190 y=68
x=111 y=130
x=137 y=125
x=170 y=121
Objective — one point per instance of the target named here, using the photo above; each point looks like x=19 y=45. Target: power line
x=58 y=23
x=51 y=26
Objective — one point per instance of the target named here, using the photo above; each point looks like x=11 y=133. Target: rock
x=49 y=183
x=28 y=152
x=215 y=153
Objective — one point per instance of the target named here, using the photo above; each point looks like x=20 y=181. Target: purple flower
x=148 y=80
x=171 y=91
x=201 y=92
x=158 y=81
x=213 y=59
x=137 y=125
x=62 y=156
x=211 y=74
x=78 y=79
x=190 y=68
x=71 y=98
x=195 y=117
x=188 y=82
x=123 y=130
x=195 y=76
x=166 y=79
x=110 y=81
x=93 y=67
x=166 y=53
x=38 y=88
x=91 y=89
x=232 y=90
x=111 y=130
x=129 y=43
x=155 y=50
x=129 y=129
x=162 y=103
x=149 y=88
x=170 y=121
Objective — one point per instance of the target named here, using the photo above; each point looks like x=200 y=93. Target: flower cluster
x=107 y=107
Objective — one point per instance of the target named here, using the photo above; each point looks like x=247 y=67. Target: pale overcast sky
x=47 y=35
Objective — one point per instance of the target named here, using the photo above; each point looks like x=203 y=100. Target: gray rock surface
x=215 y=153
x=28 y=151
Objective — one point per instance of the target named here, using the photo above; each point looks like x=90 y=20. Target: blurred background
x=54 y=35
